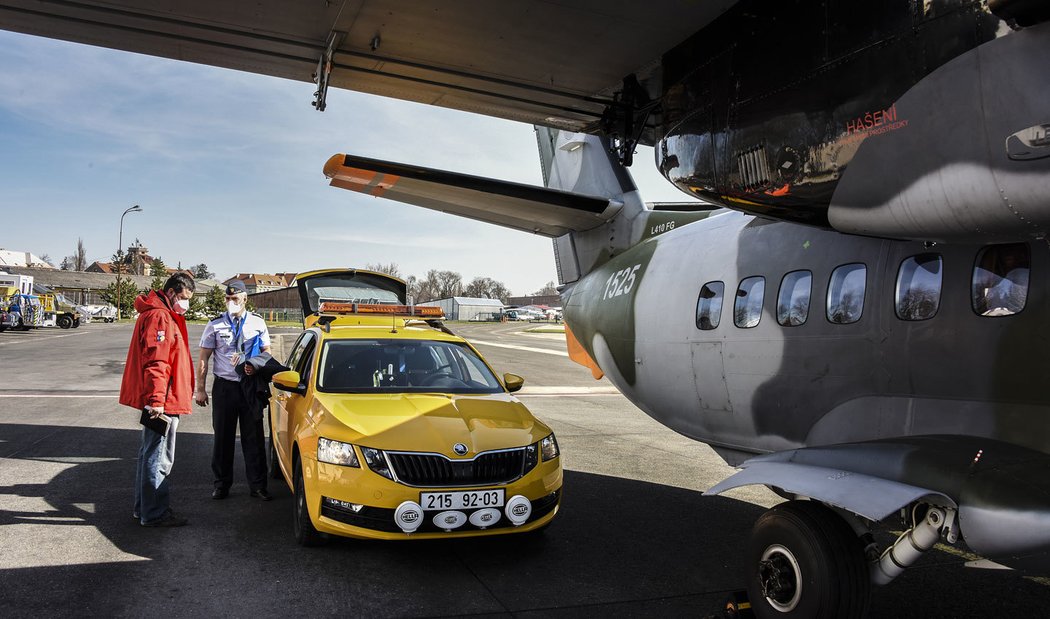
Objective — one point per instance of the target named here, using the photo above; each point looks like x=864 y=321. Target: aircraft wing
x=549 y=63
x=548 y=212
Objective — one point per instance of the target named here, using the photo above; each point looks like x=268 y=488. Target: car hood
x=430 y=422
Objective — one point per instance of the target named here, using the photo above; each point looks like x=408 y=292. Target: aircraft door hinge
x=324 y=69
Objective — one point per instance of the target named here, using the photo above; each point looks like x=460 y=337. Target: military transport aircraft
x=856 y=320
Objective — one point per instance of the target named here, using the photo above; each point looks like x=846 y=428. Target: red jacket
x=159 y=369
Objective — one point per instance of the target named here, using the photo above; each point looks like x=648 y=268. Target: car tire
x=76 y=323
x=65 y=322
x=305 y=533
x=806 y=561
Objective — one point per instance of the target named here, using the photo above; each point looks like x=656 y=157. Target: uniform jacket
x=159 y=369
x=257 y=386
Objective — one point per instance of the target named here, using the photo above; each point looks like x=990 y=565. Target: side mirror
x=513 y=382
x=289 y=381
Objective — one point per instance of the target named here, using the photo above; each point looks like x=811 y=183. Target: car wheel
x=806 y=561
x=76 y=323
x=65 y=321
x=305 y=533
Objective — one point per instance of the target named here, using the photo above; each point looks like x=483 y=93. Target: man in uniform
x=231 y=339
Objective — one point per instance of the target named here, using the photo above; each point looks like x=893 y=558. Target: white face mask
x=234 y=307
x=181 y=306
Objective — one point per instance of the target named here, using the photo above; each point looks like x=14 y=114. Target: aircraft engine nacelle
x=888 y=141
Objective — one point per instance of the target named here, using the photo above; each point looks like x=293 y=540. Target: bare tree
x=547 y=290
x=450 y=284
x=67 y=263
x=46 y=259
x=390 y=269
x=80 y=256
x=486 y=288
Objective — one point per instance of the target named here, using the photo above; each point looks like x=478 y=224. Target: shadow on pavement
x=618 y=548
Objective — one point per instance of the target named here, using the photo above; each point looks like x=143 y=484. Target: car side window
x=304 y=363
x=793 y=300
x=747 y=310
x=846 y=293
x=297 y=349
x=919 y=287
x=1000 y=279
x=709 y=305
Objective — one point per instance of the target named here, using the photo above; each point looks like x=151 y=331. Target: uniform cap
x=235 y=286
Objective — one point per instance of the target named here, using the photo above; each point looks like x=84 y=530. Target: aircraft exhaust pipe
x=908 y=547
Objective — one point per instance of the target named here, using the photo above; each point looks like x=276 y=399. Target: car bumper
x=355 y=502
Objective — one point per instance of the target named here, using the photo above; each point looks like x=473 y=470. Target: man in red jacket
x=158 y=379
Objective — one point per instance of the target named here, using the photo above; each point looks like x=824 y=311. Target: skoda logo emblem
x=459 y=449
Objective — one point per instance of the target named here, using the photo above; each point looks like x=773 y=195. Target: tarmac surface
x=634 y=537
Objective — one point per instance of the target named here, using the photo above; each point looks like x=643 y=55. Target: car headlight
x=377 y=462
x=335 y=452
x=549 y=448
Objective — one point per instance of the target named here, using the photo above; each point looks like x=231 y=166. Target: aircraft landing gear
x=806 y=561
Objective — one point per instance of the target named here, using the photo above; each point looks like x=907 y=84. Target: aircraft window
x=747 y=310
x=1000 y=280
x=919 y=287
x=793 y=301
x=709 y=305
x=846 y=293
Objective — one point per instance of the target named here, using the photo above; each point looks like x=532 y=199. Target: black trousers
x=228 y=408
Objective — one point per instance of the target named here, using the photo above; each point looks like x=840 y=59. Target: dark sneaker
x=220 y=493
x=167 y=520
x=262 y=494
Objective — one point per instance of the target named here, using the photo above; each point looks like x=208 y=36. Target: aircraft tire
x=811 y=562
x=305 y=533
x=65 y=321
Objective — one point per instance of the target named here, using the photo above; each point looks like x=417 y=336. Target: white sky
x=227 y=167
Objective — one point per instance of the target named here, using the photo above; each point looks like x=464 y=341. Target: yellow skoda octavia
x=389 y=426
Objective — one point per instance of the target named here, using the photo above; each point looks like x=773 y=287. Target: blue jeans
x=156 y=456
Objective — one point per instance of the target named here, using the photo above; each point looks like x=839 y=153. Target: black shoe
x=220 y=493
x=167 y=520
x=262 y=494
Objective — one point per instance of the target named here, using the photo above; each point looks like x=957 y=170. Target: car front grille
x=435 y=470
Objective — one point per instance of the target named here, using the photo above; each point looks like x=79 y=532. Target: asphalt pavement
x=634 y=538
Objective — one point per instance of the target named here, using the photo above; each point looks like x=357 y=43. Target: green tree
x=215 y=301
x=159 y=273
x=125 y=300
x=200 y=271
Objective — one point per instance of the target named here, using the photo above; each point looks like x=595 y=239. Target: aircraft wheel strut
x=806 y=561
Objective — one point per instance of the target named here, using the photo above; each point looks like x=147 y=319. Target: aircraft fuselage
x=956 y=364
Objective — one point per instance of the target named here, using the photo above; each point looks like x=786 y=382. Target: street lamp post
x=120 y=248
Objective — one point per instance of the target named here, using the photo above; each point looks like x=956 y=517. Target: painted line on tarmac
x=54 y=395
x=545 y=351
x=40 y=339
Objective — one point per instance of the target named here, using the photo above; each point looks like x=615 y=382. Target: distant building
x=465 y=308
x=9 y=258
x=551 y=300
x=262 y=282
x=137 y=261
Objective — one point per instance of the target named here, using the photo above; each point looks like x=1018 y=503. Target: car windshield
x=403 y=366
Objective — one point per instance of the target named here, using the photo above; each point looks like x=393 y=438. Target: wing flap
x=547 y=212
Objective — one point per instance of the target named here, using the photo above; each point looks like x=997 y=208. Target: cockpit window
x=1000 y=280
x=919 y=287
x=709 y=305
x=846 y=293
x=793 y=300
x=403 y=366
x=747 y=311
